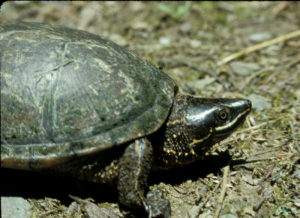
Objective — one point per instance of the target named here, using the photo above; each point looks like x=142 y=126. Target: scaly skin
x=193 y=126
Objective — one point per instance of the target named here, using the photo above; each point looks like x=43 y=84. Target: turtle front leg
x=134 y=168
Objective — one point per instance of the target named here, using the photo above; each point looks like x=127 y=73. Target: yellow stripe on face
x=195 y=141
x=228 y=125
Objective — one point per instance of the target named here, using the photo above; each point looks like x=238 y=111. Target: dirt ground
x=211 y=49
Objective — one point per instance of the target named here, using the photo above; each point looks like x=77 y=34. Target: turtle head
x=195 y=124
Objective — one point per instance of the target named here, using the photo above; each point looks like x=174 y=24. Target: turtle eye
x=223 y=114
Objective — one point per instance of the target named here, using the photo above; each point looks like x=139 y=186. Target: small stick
x=267 y=175
x=253 y=160
x=223 y=191
x=259 y=46
x=259 y=204
x=254 y=127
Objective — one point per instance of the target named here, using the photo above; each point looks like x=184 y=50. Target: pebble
x=186 y=28
x=259 y=103
x=194 y=43
x=201 y=83
x=118 y=39
x=228 y=216
x=229 y=7
x=260 y=37
x=243 y=68
x=164 y=41
x=296 y=174
x=16 y=207
x=272 y=49
x=139 y=25
x=93 y=211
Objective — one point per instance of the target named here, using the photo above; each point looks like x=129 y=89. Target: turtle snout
x=249 y=104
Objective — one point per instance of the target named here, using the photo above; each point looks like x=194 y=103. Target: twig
x=267 y=175
x=223 y=191
x=259 y=203
x=254 y=127
x=250 y=160
x=254 y=75
x=294 y=61
x=265 y=195
x=81 y=201
x=259 y=46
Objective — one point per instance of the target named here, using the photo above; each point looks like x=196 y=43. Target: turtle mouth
x=221 y=136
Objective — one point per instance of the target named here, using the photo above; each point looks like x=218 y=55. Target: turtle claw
x=156 y=206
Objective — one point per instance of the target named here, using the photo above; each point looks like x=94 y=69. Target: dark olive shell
x=67 y=93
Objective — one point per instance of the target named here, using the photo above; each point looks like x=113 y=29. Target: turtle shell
x=68 y=93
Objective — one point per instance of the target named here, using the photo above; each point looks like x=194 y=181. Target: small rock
x=186 y=28
x=74 y=210
x=88 y=15
x=249 y=211
x=296 y=174
x=194 y=43
x=272 y=49
x=243 y=68
x=201 y=83
x=136 y=6
x=118 y=39
x=226 y=6
x=164 y=41
x=16 y=207
x=259 y=103
x=94 y=211
x=228 y=216
x=138 y=25
x=260 y=37
x=252 y=121
x=194 y=211
x=206 y=214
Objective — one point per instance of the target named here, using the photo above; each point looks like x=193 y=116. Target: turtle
x=80 y=105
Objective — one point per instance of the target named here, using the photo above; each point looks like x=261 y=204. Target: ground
x=201 y=45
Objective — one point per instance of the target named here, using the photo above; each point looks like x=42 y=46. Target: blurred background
x=198 y=45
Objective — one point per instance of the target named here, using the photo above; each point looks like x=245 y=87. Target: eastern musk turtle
x=84 y=106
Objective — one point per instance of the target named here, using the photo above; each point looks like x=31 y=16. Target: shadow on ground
x=37 y=185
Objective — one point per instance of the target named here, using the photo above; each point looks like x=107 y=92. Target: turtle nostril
x=249 y=103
